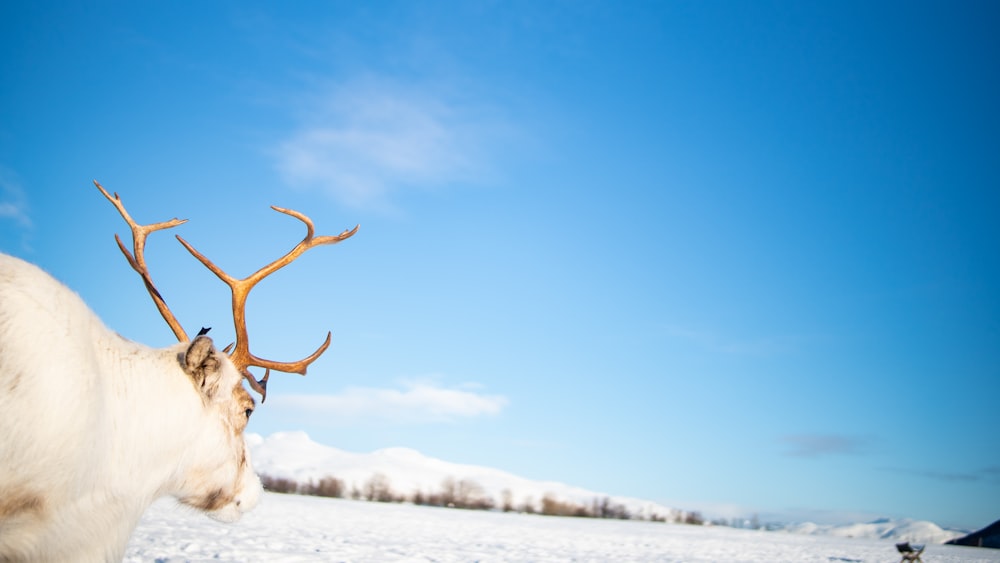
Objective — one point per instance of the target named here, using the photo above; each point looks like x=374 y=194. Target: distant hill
x=987 y=537
x=293 y=455
x=914 y=531
x=296 y=457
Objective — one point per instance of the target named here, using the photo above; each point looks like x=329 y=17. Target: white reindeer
x=94 y=427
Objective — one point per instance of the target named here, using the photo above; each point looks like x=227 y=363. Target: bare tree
x=551 y=506
x=377 y=489
x=326 y=487
x=694 y=518
x=279 y=484
x=470 y=494
x=528 y=506
x=449 y=492
x=507 y=499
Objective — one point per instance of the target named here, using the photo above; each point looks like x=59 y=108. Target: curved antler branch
x=240 y=288
x=138 y=259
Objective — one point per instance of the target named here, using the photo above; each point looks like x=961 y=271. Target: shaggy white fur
x=96 y=427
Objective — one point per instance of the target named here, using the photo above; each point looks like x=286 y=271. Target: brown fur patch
x=242 y=397
x=14 y=382
x=212 y=501
x=14 y=503
x=243 y=401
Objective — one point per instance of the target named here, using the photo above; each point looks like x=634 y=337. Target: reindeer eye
x=248 y=412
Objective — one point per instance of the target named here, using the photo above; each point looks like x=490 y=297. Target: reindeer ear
x=201 y=364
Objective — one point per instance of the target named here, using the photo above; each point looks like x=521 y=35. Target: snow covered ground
x=286 y=528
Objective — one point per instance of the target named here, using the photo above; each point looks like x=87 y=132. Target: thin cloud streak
x=15 y=220
x=991 y=473
x=414 y=402
x=15 y=213
x=822 y=445
x=762 y=347
x=13 y=202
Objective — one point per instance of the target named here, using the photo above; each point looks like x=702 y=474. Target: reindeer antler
x=138 y=261
x=241 y=356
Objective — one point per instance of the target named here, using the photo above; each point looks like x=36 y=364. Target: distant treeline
x=468 y=494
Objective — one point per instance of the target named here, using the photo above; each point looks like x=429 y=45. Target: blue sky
x=741 y=257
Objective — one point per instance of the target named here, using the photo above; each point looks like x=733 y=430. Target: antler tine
x=138 y=259
x=241 y=355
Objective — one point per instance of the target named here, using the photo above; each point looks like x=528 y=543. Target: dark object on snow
x=910 y=552
x=987 y=537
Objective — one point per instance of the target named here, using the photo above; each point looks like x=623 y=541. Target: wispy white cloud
x=822 y=445
x=412 y=401
x=15 y=219
x=364 y=141
x=13 y=201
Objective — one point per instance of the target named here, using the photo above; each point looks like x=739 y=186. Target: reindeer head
x=219 y=478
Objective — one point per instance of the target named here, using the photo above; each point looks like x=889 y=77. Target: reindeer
x=94 y=427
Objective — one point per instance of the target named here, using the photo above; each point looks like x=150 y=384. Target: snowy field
x=299 y=528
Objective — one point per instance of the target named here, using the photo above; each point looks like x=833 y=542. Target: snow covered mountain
x=913 y=531
x=294 y=456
